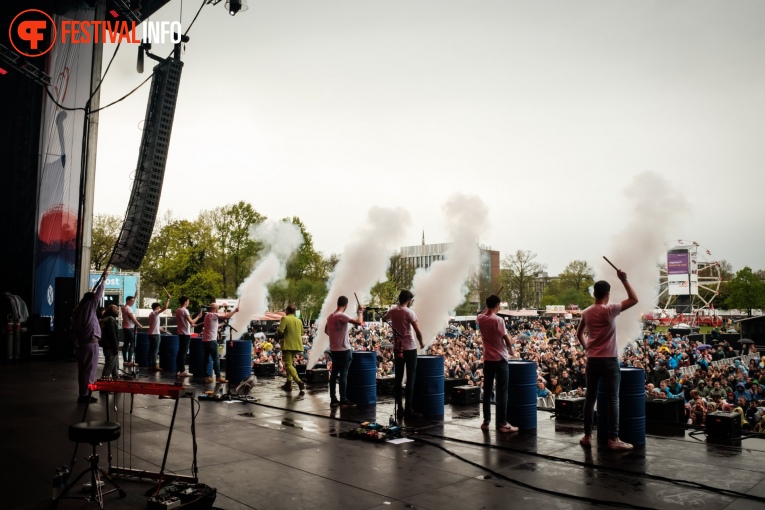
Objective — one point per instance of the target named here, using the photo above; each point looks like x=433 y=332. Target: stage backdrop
x=61 y=156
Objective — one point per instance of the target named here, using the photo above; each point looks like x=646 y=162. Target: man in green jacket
x=291 y=334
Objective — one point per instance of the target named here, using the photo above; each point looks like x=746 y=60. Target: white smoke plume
x=443 y=287
x=656 y=211
x=281 y=240
x=364 y=262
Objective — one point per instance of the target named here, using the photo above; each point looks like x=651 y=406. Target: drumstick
x=499 y=291
x=357 y=299
x=610 y=263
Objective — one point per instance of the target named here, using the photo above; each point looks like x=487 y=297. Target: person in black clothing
x=580 y=377
x=752 y=414
x=565 y=381
x=660 y=374
x=109 y=341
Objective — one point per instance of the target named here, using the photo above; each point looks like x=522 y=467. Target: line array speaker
x=147 y=187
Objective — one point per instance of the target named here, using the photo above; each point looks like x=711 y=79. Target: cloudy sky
x=545 y=109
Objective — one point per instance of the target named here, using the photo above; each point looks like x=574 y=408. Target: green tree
x=201 y=288
x=178 y=252
x=577 y=275
x=233 y=250
x=400 y=273
x=723 y=293
x=747 y=291
x=106 y=230
x=307 y=294
x=517 y=276
x=306 y=261
x=726 y=270
x=383 y=294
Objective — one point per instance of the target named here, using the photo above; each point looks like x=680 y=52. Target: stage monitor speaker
x=147 y=186
x=465 y=395
x=569 y=407
x=386 y=385
x=64 y=301
x=317 y=375
x=664 y=410
x=449 y=384
x=264 y=369
x=722 y=425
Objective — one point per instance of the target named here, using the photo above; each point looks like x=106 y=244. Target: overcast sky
x=545 y=109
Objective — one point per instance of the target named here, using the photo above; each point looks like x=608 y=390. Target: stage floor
x=277 y=455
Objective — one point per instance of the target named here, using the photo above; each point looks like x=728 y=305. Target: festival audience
x=728 y=386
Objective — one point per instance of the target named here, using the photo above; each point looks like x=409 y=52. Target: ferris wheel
x=705 y=281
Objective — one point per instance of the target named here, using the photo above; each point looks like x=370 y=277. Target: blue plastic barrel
x=429 y=386
x=142 y=349
x=522 y=395
x=168 y=353
x=362 y=378
x=197 y=365
x=631 y=408
x=238 y=361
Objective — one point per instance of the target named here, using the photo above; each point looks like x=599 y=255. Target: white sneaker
x=185 y=373
x=618 y=444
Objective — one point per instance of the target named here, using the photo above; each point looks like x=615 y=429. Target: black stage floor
x=277 y=456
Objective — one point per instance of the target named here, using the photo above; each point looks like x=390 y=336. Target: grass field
x=703 y=329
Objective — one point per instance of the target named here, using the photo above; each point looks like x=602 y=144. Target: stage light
x=235 y=6
x=3 y=71
x=114 y=13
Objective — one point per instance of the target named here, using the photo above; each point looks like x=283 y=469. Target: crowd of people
x=551 y=343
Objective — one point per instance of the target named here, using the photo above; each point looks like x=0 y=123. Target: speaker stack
x=721 y=425
x=64 y=301
x=569 y=407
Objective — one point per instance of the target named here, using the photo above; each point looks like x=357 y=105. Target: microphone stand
x=398 y=352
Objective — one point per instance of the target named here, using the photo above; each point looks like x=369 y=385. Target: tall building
x=424 y=255
x=539 y=285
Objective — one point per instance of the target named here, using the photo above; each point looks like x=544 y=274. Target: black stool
x=93 y=433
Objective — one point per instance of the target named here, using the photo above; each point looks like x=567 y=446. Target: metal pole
x=88 y=178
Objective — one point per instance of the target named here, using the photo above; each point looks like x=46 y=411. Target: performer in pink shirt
x=600 y=346
x=497 y=349
x=340 y=349
x=184 y=324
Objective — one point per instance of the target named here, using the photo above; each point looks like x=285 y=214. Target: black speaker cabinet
x=449 y=384
x=386 y=385
x=722 y=425
x=264 y=369
x=464 y=395
x=64 y=301
x=317 y=375
x=569 y=407
x=39 y=325
x=664 y=410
